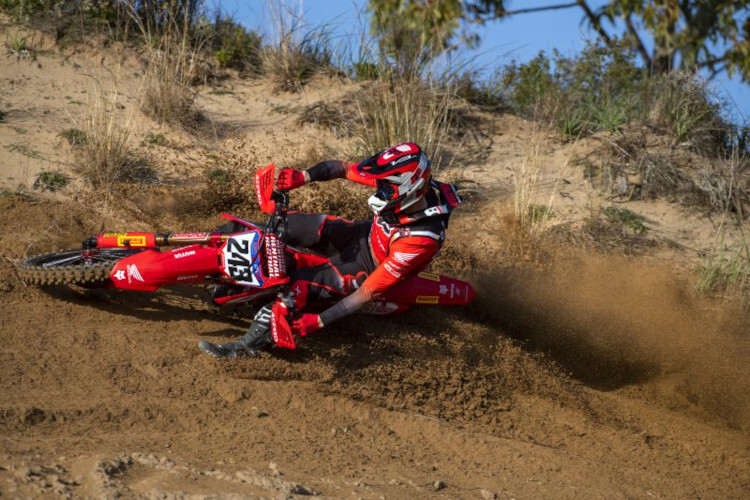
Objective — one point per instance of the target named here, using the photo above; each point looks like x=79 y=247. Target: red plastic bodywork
x=264 y=184
x=430 y=289
x=150 y=270
x=280 y=329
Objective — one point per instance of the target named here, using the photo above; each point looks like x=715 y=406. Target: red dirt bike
x=252 y=261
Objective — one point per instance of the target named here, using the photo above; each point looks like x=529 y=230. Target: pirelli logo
x=427 y=299
x=132 y=241
x=430 y=276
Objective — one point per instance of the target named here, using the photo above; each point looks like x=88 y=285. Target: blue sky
x=520 y=37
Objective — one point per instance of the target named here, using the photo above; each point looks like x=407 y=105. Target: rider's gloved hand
x=306 y=324
x=290 y=179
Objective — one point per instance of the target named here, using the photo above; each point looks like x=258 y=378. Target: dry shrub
x=404 y=110
x=327 y=116
x=224 y=190
x=682 y=105
x=199 y=204
x=725 y=184
x=297 y=53
x=638 y=164
x=337 y=197
x=633 y=165
x=473 y=130
x=612 y=230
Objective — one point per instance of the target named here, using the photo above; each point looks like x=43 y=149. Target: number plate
x=241 y=262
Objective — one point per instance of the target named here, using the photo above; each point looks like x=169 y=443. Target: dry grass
x=327 y=116
x=172 y=63
x=639 y=164
x=683 y=105
x=401 y=110
x=297 y=52
x=529 y=214
x=106 y=156
x=167 y=96
x=726 y=269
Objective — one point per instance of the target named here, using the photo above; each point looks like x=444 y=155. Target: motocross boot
x=257 y=338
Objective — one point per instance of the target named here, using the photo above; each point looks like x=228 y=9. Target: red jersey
x=398 y=250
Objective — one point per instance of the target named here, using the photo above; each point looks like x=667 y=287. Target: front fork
x=137 y=240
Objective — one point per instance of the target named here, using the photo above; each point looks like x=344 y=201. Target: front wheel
x=72 y=267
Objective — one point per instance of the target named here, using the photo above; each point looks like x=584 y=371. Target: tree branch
x=639 y=43
x=595 y=21
x=714 y=60
x=684 y=6
x=538 y=9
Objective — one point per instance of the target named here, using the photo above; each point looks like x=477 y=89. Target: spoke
x=87 y=258
x=60 y=262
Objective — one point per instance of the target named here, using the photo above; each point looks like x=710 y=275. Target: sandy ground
x=580 y=374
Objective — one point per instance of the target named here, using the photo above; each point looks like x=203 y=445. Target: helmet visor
x=385 y=190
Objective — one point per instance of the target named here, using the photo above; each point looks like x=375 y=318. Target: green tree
x=710 y=34
x=410 y=33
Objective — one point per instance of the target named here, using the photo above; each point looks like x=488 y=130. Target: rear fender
x=430 y=289
x=150 y=270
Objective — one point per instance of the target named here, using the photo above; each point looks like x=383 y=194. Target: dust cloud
x=613 y=323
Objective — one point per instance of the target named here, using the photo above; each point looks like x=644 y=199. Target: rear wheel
x=72 y=267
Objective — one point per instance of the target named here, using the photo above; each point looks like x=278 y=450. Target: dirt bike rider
x=363 y=258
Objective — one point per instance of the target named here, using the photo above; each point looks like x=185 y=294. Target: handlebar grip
x=280 y=197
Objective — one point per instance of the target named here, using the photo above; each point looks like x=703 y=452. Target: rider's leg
x=324 y=283
x=341 y=275
x=324 y=234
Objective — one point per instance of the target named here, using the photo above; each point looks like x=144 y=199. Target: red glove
x=306 y=324
x=290 y=179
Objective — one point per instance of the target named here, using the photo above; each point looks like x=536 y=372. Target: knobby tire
x=72 y=267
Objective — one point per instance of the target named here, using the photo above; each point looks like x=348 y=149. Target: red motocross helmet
x=402 y=177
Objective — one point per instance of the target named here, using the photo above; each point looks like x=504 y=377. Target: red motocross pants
x=347 y=260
